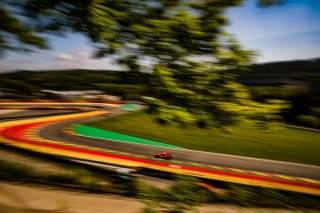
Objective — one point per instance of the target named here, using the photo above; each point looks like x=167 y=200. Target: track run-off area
x=55 y=135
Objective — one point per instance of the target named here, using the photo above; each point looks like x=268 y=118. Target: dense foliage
x=16 y=35
x=196 y=61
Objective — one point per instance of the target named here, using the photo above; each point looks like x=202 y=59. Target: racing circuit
x=53 y=134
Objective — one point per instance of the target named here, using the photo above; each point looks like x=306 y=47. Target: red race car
x=164 y=155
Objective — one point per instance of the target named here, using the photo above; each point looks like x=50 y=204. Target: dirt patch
x=46 y=199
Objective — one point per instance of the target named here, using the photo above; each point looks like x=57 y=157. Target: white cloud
x=82 y=53
x=82 y=59
x=64 y=57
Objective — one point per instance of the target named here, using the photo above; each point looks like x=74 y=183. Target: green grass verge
x=286 y=144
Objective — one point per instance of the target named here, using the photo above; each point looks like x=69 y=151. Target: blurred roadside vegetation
x=183 y=195
x=22 y=165
x=295 y=81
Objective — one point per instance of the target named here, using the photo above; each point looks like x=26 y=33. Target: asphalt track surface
x=35 y=114
x=54 y=132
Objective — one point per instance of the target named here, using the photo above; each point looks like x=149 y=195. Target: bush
x=182 y=196
x=308 y=121
x=61 y=178
x=241 y=195
x=269 y=198
x=14 y=170
x=315 y=111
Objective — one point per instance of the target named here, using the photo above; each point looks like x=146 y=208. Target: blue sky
x=287 y=32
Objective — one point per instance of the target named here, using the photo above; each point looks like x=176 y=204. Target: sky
x=286 y=32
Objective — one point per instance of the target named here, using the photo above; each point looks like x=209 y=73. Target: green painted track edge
x=105 y=134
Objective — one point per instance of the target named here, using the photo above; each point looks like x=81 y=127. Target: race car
x=164 y=155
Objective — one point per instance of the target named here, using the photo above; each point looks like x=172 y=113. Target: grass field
x=286 y=144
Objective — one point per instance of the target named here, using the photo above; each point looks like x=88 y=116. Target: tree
x=184 y=195
x=196 y=61
x=16 y=35
x=270 y=3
